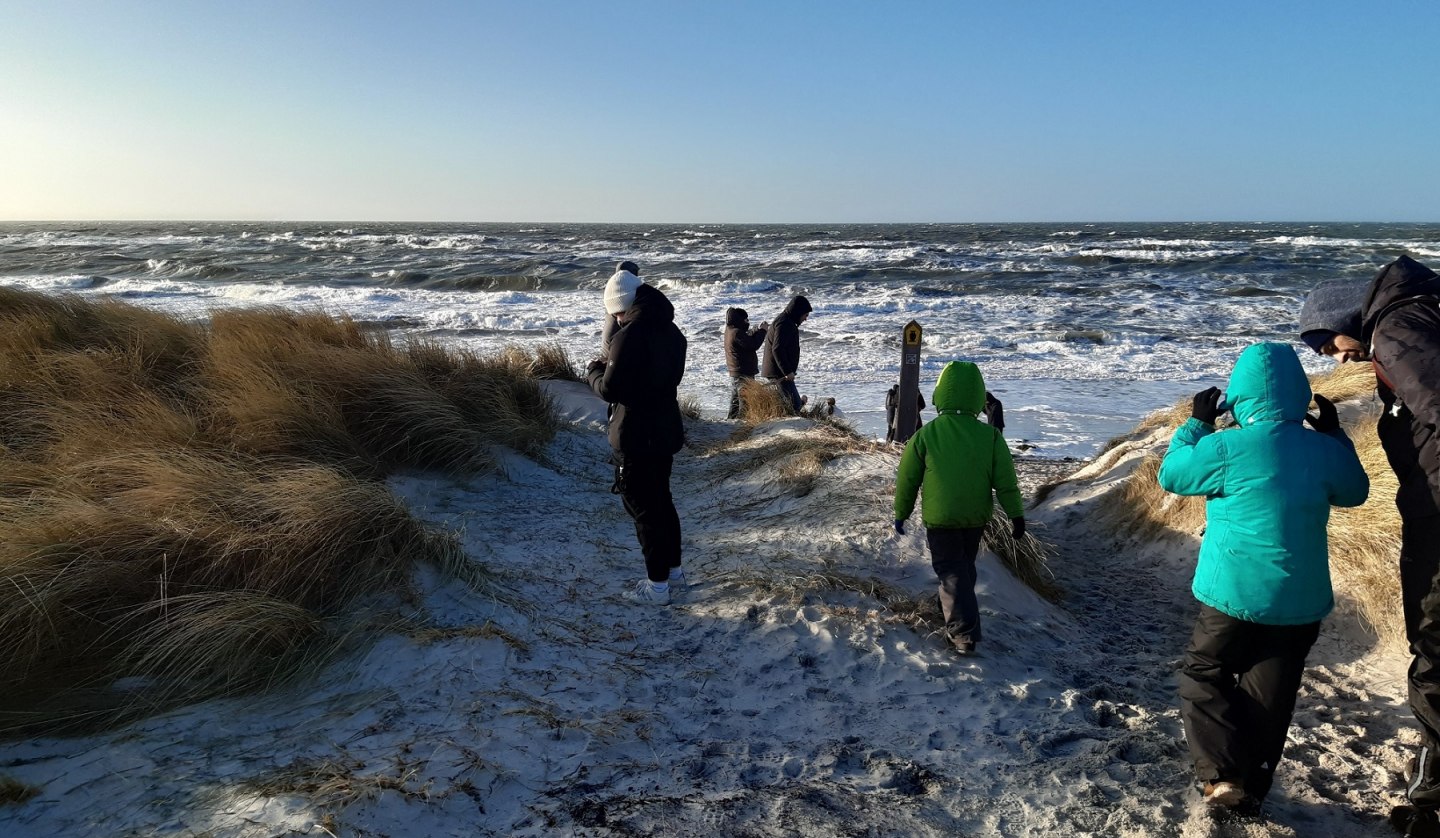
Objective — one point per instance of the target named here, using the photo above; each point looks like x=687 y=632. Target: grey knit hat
x=1332 y=308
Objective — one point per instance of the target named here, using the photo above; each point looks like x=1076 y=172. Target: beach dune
x=794 y=689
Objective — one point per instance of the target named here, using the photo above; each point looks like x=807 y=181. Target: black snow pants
x=643 y=483
x=1237 y=693
x=1420 y=595
x=952 y=554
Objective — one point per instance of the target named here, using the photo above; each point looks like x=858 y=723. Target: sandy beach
x=789 y=691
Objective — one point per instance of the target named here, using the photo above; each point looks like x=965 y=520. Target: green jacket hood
x=1268 y=385
x=960 y=389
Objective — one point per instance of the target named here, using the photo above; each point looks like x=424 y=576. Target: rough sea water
x=1081 y=329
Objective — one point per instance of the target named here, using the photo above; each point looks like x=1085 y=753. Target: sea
x=1080 y=329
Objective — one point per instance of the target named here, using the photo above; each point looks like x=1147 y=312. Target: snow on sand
x=780 y=696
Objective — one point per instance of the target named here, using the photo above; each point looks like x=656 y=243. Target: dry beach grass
x=187 y=509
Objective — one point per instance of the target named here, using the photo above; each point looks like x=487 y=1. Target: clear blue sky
x=682 y=111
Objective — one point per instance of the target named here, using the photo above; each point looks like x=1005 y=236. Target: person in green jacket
x=962 y=464
x=1263 y=576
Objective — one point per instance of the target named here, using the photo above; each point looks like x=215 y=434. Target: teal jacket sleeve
x=909 y=477
x=1350 y=484
x=1195 y=462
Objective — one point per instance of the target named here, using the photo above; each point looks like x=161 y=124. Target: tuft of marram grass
x=13 y=792
x=1027 y=557
x=690 y=406
x=192 y=507
x=761 y=402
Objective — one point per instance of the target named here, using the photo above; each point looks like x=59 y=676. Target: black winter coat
x=782 y=341
x=1401 y=322
x=741 y=345
x=643 y=370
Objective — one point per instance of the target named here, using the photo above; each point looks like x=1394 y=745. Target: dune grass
x=189 y=510
x=1364 y=541
x=761 y=402
x=14 y=792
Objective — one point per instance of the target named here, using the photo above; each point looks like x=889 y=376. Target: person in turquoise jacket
x=1263 y=576
x=962 y=465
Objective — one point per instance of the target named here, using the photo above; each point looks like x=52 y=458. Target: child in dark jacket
x=1263 y=576
x=741 y=345
x=963 y=465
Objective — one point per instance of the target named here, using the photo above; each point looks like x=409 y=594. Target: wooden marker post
x=907 y=413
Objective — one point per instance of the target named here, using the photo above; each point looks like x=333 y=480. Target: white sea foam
x=1115 y=321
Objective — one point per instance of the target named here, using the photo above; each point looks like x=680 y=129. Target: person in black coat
x=892 y=413
x=741 y=344
x=1395 y=323
x=782 y=350
x=639 y=378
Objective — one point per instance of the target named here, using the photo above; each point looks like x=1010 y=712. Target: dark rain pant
x=737 y=383
x=1420 y=596
x=1237 y=693
x=952 y=554
x=644 y=486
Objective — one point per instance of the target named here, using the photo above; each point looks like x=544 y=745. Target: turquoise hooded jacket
x=1269 y=486
x=962 y=464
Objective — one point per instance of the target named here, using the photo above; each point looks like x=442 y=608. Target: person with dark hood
x=741 y=344
x=1395 y=323
x=638 y=377
x=782 y=350
x=1263 y=576
x=960 y=467
x=892 y=412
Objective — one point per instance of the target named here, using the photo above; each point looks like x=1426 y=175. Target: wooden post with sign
x=907 y=409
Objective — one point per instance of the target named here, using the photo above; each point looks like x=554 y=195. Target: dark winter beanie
x=629 y=266
x=1332 y=308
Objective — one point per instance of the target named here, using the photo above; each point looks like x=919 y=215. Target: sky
x=710 y=112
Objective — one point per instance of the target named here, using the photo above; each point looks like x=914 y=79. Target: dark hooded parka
x=741 y=344
x=1400 y=321
x=643 y=371
x=782 y=341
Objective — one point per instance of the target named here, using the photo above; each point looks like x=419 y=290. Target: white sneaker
x=644 y=593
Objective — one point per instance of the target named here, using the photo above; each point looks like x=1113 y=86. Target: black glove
x=594 y=366
x=994 y=412
x=899 y=526
x=1328 y=420
x=1207 y=405
x=1017 y=528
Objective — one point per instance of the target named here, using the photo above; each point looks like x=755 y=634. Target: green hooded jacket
x=957 y=459
x=1269 y=486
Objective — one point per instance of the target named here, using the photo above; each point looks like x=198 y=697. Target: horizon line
x=695 y=223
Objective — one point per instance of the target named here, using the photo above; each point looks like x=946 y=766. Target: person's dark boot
x=1414 y=822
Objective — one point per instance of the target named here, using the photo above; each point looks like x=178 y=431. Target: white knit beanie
x=620 y=292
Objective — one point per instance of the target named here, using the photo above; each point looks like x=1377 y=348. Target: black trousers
x=644 y=486
x=952 y=554
x=1237 y=694
x=1420 y=596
